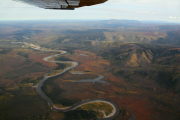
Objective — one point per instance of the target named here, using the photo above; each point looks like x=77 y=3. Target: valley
x=59 y=72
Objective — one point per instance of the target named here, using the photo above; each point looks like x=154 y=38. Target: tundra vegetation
x=140 y=66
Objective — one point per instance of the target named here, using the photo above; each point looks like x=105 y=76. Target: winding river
x=72 y=65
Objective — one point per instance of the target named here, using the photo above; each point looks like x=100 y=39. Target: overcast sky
x=163 y=10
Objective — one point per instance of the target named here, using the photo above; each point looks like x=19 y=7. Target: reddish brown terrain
x=132 y=100
x=140 y=67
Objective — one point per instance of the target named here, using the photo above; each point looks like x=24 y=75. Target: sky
x=155 y=10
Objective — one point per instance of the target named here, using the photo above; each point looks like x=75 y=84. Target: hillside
x=134 y=64
x=139 y=60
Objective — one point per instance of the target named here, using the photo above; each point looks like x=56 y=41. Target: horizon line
x=147 y=21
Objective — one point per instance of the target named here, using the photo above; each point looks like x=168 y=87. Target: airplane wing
x=62 y=4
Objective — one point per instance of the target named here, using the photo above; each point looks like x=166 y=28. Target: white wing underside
x=53 y=4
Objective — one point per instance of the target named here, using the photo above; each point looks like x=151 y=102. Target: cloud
x=174 y=17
